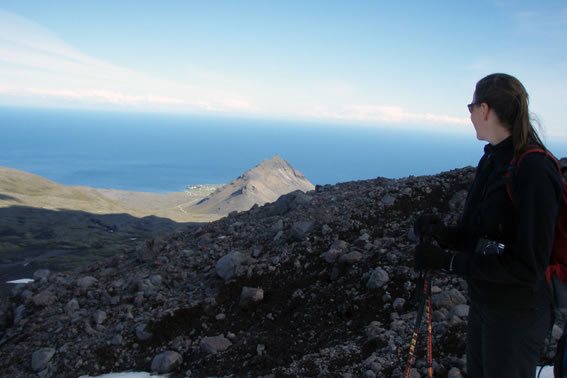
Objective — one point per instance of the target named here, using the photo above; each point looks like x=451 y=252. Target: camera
x=487 y=247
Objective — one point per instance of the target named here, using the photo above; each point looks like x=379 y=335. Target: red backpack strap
x=541 y=151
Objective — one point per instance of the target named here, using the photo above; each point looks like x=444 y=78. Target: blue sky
x=402 y=64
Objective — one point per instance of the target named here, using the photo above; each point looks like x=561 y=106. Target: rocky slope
x=47 y=225
x=44 y=224
x=314 y=284
x=264 y=183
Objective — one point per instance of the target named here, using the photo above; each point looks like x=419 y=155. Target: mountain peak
x=274 y=162
x=264 y=183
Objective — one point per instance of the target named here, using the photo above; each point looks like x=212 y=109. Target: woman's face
x=478 y=121
x=486 y=123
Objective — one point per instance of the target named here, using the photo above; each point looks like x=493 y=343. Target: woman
x=502 y=247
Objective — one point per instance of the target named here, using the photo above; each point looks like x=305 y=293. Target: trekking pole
x=429 y=315
x=423 y=289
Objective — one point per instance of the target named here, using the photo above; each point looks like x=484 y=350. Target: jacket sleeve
x=455 y=235
x=537 y=192
x=453 y=238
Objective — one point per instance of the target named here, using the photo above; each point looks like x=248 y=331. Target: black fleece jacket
x=526 y=227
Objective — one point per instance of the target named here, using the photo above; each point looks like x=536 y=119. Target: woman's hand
x=431 y=257
x=430 y=225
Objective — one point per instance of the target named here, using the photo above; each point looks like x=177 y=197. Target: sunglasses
x=471 y=106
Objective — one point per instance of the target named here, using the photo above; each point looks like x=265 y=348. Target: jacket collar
x=502 y=152
x=504 y=146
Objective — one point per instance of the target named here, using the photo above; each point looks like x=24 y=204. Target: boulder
x=166 y=362
x=301 y=199
x=19 y=313
x=278 y=226
x=335 y=251
x=378 y=278
x=145 y=286
x=331 y=255
x=156 y=279
x=141 y=332
x=454 y=373
x=41 y=275
x=99 y=316
x=250 y=295
x=72 y=306
x=374 y=330
x=399 y=304
x=227 y=266
x=300 y=229
x=339 y=245
x=44 y=299
x=116 y=340
x=86 y=282
x=215 y=344
x=457 y=202
x=41 y=358
x=282 y=205
x=448 y=299
x=388 y=200
x=351 y=258
x=460 y=310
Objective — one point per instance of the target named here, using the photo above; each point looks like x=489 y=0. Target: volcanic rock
x=41 y=357
x=333 y=297
x=230 y=265
x=250 y=296
x=378 y=278
x=43 y=299
x=166 y=362
x=86 y=282
x=72 y=306
x=215 y=344
x=41 y=274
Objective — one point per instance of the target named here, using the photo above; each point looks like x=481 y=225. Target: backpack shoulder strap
x=540 y=151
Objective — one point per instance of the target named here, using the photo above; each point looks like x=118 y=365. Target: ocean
x=166 y=153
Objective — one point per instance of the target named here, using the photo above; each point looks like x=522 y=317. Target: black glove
x=431 y=257
x=430 y=225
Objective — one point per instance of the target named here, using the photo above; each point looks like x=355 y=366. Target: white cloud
x=105 y=96
x=115 y=98
x=389 y=115
x=36 y=64
x=26 y=44
x=38 y=68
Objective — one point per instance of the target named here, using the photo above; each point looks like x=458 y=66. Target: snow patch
x=547 y=372
x=126 y=375
x=20 y=281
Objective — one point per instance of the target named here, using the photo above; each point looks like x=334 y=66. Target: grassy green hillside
x=47 y=225
x=19 y=188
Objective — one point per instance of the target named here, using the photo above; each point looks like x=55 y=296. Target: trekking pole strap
x=429 y=310
x=423 y=288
